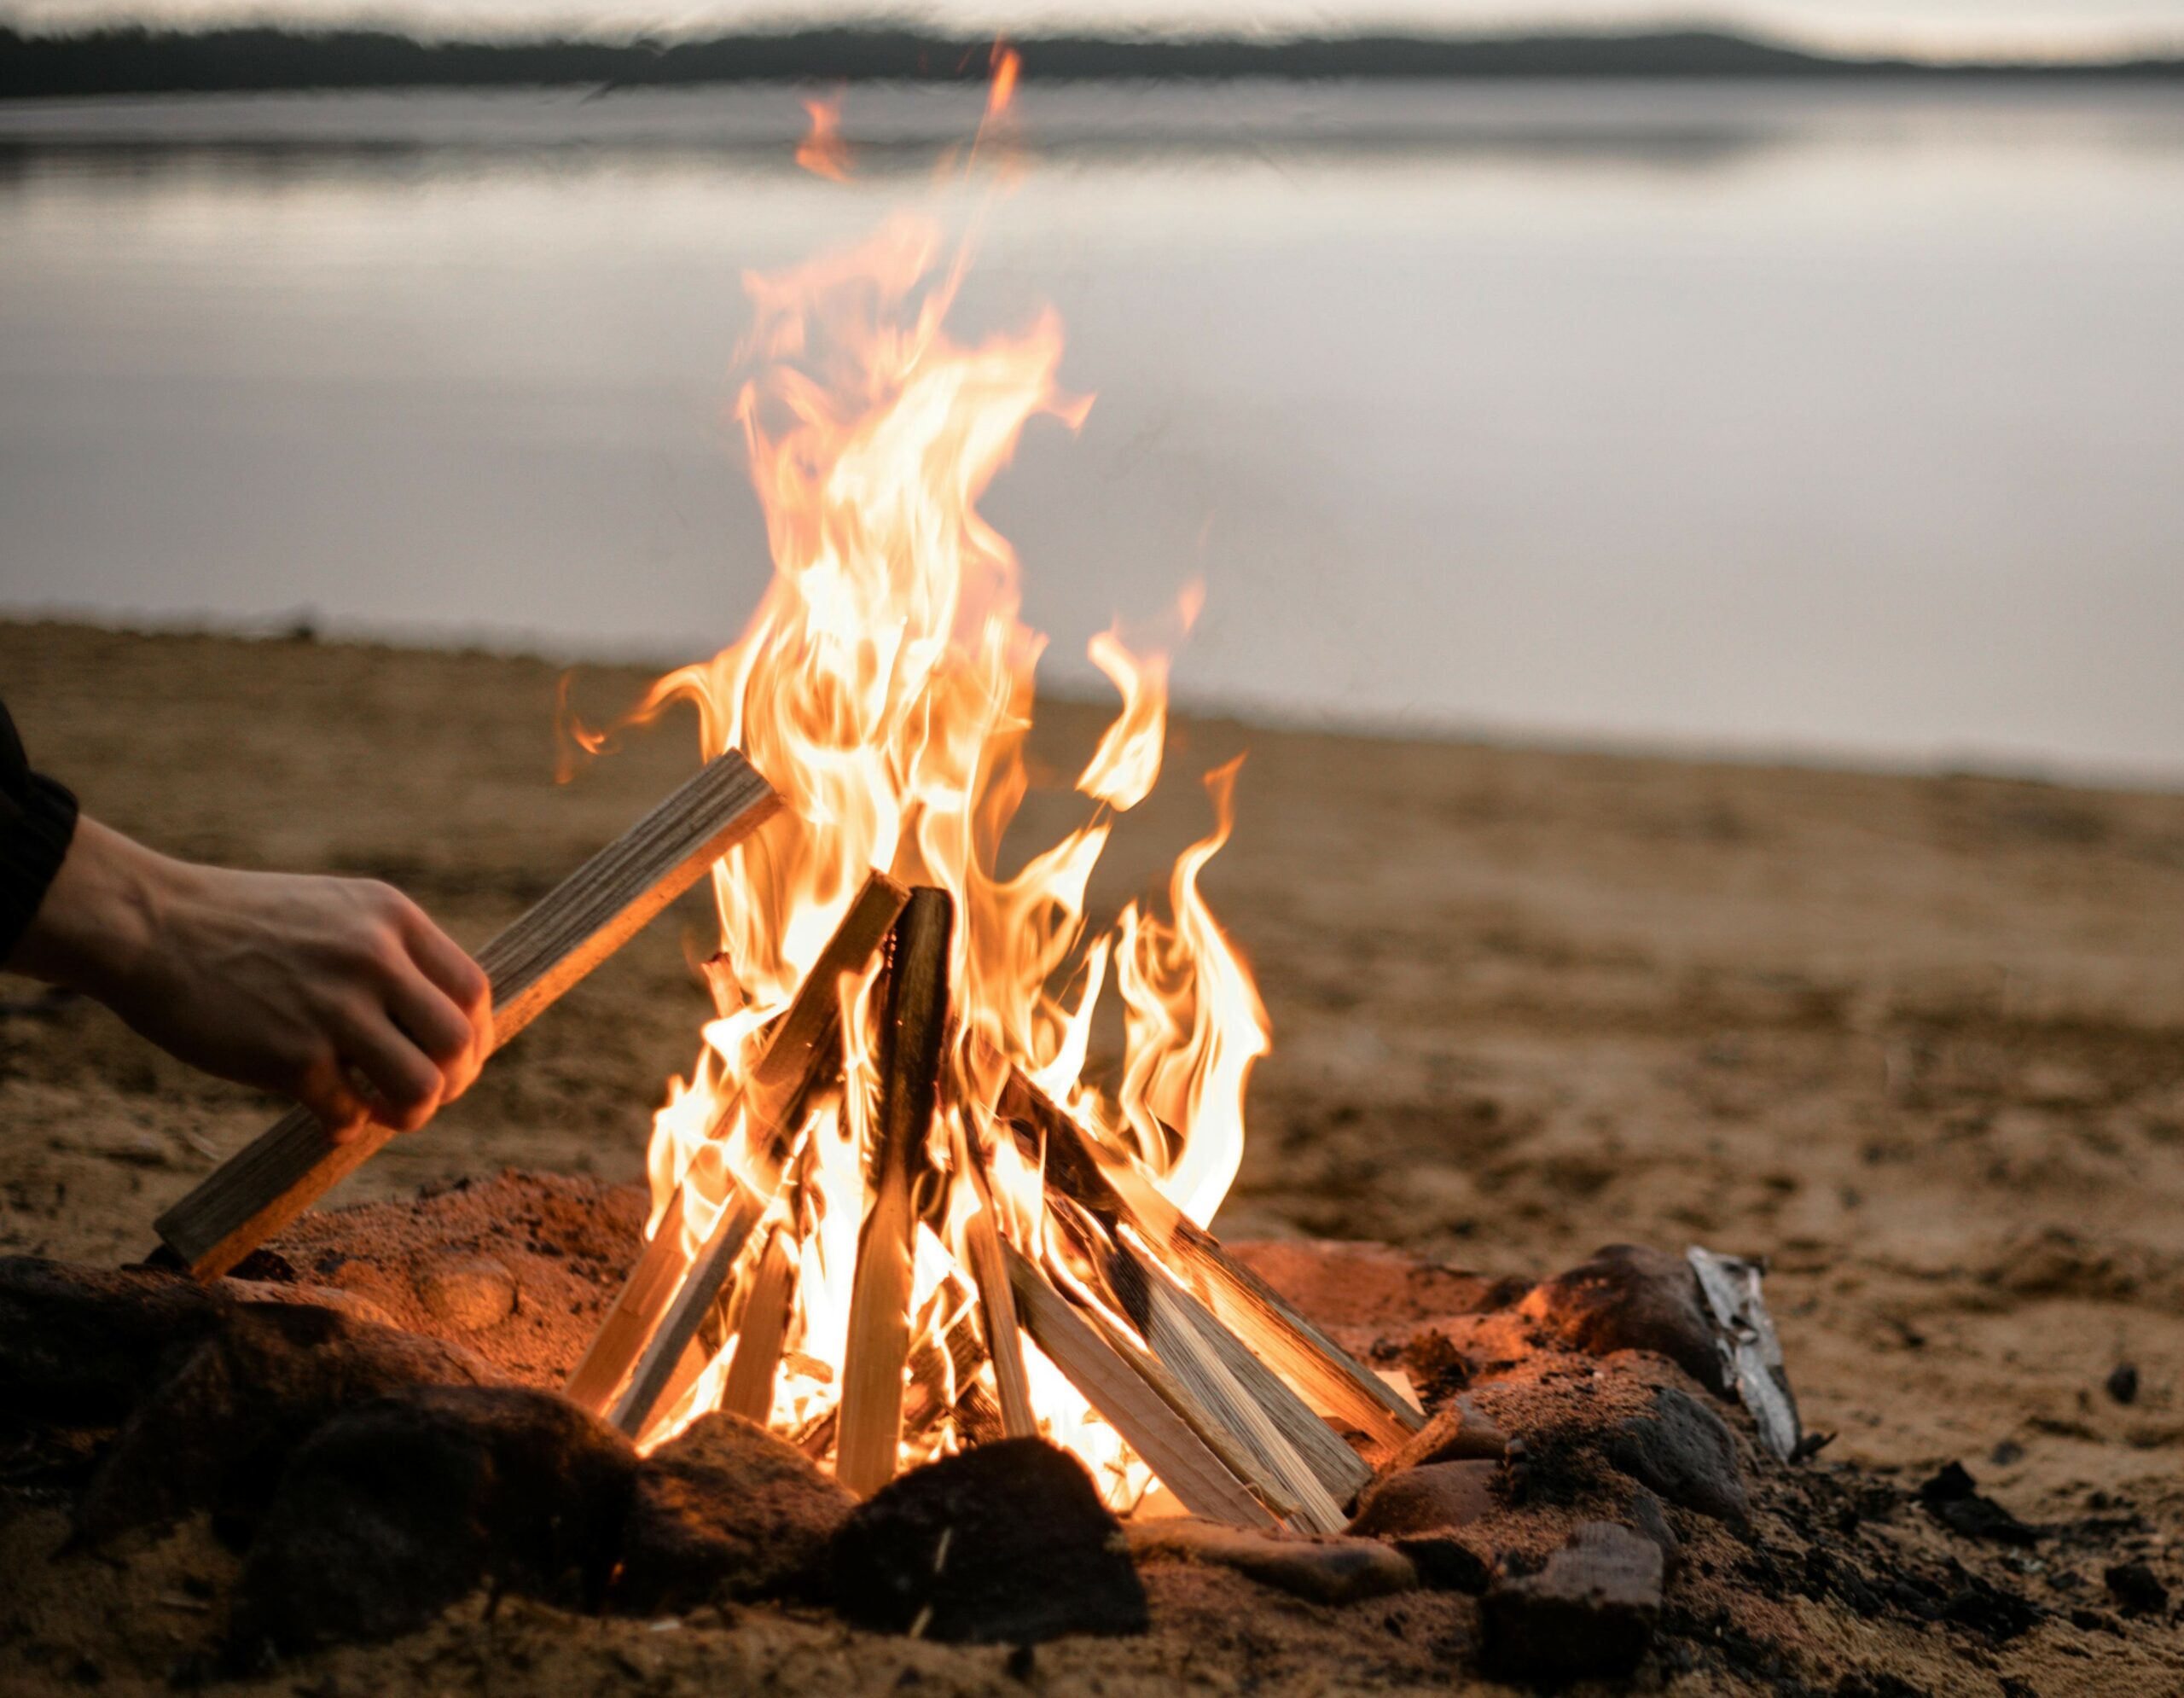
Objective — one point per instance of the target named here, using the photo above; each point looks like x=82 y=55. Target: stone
x=1330 y=1570
x=83 y=1347
x=1686 y=1452
x=1951 y=1498
x=468 y=1295
x=1005 y=1543
x=725 y=1511
x=399 y=1507
x=218 y=1432
x=2123 y=1382
x=1438 y=1495
x=2136 y=1588
x=1649 y=1517
x=1449 y=1560
x=1629 y=1297
x=1590 y=1612
x=1459 y=1431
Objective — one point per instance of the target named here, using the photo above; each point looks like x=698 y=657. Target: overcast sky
x=1944 y=26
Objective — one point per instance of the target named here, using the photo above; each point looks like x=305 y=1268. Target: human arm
x=340 y=993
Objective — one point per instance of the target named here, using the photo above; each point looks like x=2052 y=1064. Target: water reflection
x=1841 y=418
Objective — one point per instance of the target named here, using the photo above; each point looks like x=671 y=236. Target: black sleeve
x=38 y=818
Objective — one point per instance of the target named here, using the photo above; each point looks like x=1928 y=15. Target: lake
x=1837 y=421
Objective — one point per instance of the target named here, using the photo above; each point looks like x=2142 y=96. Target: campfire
x=893 y=1214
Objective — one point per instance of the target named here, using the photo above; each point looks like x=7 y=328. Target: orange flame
x=823 y=152
x=885 y=686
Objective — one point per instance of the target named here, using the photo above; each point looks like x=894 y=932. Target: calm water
x=1756 y=418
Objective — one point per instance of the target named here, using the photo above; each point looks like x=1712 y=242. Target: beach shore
x=1919 y=1040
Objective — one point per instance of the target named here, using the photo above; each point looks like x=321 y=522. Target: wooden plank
x=913 y=1031
x=801 y=1047
x=757 y=1363
x=996 y=1301
x=1202 y=1482
x=1161 y=1311
x=656 y=1368
x=1117 y=1191
x=586 y=918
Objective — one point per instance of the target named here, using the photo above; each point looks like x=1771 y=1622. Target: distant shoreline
x=139 y=61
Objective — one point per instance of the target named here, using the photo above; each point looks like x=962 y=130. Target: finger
x=325 y=1090
x=442 y=960
x=408 y=1084
x=428 y=1017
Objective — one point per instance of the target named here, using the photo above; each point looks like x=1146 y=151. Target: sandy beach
x=1918 y=1039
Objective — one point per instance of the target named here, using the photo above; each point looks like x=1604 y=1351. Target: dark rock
x=1591 y=1612
x=216 y=1435
x=469 y=1295
x=2137 y=1587
x=1447 y=1559
x=1686 y=1452
x=2123 y=1383
x=726 y=1511
x=1989 y=1610
x=1438 y=1495
x=1951 y=1498
x=83 y=1347
x=1006 y=1543
x=1649 y=1518
x=1630 y=1298
x=1458 y=1432
x=1329 y=1570
x=396 y=1508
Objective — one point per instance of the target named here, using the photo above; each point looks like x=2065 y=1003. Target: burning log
x=586 y=918
x=804 y=1047
x=749 y=1391
x=1111 y=1187
x=1131 y=1403
x=913 y=1032
x=996 y=1301
x=657 y=1368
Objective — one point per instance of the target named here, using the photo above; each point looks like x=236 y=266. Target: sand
x=1918 y=1039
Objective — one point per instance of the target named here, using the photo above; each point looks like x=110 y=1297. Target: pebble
x=1438 y=1495
x=1590 y=1613
x=468 y=1295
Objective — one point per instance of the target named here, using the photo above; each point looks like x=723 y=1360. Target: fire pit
x=921 y=1336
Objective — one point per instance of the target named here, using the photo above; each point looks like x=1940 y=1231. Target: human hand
x=339 y=993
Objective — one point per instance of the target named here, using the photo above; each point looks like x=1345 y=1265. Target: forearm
x=95 y=927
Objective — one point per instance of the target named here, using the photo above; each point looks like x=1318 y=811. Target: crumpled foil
x=1751 y=1354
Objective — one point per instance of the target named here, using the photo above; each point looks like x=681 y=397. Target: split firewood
x=586 y=918
x=656 y=1368
x=1338 y=1469
x=753 y=1369
x=996 y=1301
x=1113 y=1188
x=802 y=1048
x=912 y=1035
x=1161 y=1312
x=1201 y=1481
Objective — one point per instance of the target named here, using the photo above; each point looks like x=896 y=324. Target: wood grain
x=912 y=1031
x=584 y=920
x=803 y=1047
